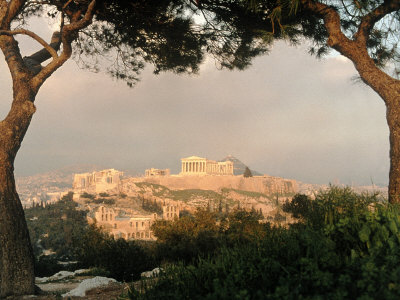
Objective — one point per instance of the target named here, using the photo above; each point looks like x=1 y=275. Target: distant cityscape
x=50 y=187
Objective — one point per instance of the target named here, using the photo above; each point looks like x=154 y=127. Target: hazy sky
x=288 y=115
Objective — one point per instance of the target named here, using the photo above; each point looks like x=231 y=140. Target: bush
x=300 y=206
x=348 y=247
x=46 y=266
x=55 y=227
x=203 y=233
x=88 y=196
x=124 y=260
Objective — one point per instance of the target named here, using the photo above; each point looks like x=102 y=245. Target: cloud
x=288 y=115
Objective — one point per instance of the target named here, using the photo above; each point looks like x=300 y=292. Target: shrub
x=203 y=233
x=55 y=227
x=347 y=248
x=124 y=260
x=300 y=206
x=88 y=196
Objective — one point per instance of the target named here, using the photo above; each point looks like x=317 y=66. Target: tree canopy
x=171 y=35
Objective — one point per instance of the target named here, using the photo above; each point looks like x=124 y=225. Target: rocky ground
x=108 y=292
x=78 y=285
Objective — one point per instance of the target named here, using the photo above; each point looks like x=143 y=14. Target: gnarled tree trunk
x=16 y=256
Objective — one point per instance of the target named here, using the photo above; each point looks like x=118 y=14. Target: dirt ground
x=110 y=292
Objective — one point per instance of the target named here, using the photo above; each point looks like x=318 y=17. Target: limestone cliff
x=267 y=185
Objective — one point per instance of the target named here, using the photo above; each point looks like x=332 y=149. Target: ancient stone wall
x=261 y=184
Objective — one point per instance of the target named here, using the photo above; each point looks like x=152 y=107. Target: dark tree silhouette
x=247 y=173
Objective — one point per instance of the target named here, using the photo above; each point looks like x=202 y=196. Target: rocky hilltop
x=267 y=185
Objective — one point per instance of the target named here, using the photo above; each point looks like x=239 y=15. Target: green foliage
x=202 y=233
x=330 y=205
x=178 y=195
x=104 y=195
x=242 y=226
x=354 y=253
x=299 y=206
x=48 y=265
x=88 y=196
x=185 y=195
x=107 y=201
x=152 y=206
x=217 y=201
x=56 y=226
x=187 y=237
x=123 y=260
x=291 y=19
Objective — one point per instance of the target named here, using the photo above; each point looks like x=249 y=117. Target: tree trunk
x=388 y=88
x=393 y=119
x=16 y=255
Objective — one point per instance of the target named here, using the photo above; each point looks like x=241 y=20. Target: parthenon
x=195 y=165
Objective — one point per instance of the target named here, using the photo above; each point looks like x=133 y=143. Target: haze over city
x=318 y=127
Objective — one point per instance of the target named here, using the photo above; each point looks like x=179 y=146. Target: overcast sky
x=288 y=115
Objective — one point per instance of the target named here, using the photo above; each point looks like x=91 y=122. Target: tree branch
x=14 y=8
x=84 y=22
x=33 y=35
x=369 y=20
x=69 y=33
x=331 y=19
x=355 y=49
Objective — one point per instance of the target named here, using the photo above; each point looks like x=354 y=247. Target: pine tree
x=247 y=173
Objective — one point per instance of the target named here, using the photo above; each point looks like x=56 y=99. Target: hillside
x=267 y=185
x=143 y=198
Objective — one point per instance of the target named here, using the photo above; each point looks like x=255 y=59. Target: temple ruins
x=195 y=165
x=129 y=227
x=97 y=182
x=157 y=172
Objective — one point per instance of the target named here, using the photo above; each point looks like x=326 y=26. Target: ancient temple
x=195 y=165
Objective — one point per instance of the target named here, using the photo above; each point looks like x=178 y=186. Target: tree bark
x=388 y=89
x=17 y=275
x=393 y=119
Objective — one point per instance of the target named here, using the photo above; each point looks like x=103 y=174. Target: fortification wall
x=262 y=184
